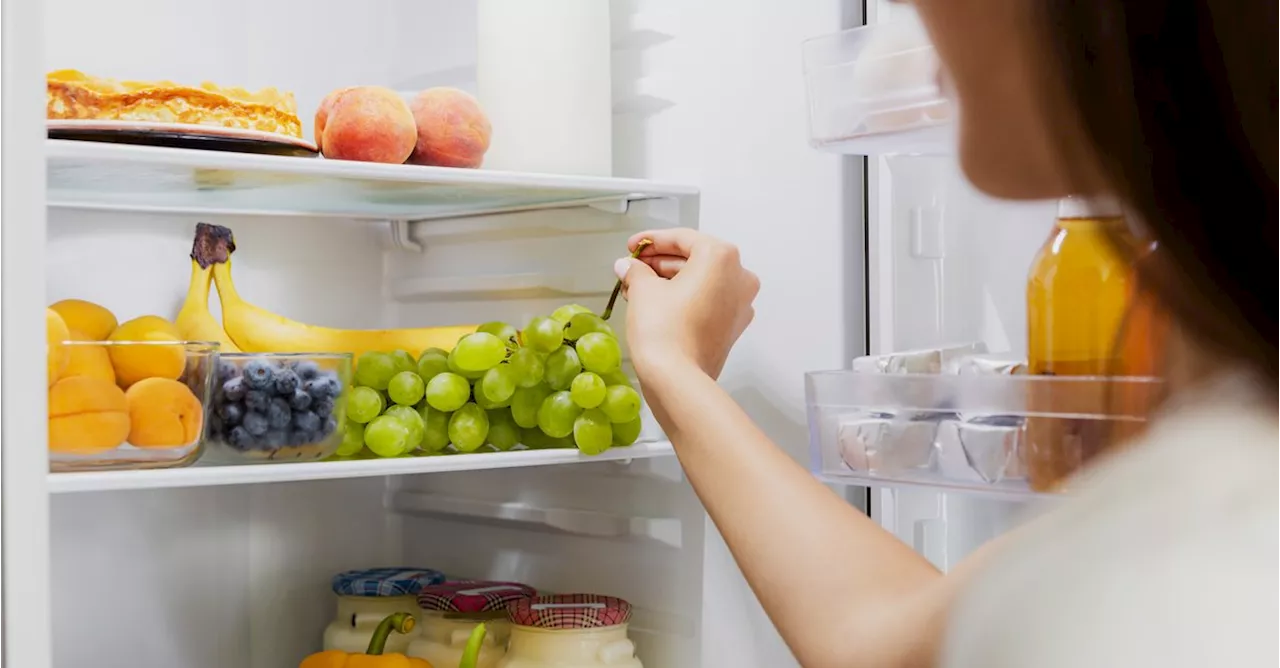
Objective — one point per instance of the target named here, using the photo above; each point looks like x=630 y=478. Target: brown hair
x=1177 y=100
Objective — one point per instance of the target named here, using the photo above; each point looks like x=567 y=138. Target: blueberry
x=298 y=437
x=307 y=370
x=227 y=370
x=286 y=382
x=258 y=374
x=323 y=407
x=214 y=426
x=274 y=440
x=306 y=421
x=256 y=400
x=330 y=426
x=300 y=401
x=240 y=438
x=324 y=385
x=278 y=413
x=255 y=423
x=231 y=413
x=234 y=389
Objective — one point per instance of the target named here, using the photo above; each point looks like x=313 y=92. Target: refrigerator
x=861 y=247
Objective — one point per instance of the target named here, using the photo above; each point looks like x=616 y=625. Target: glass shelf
x=991 y=434
x=102 y=176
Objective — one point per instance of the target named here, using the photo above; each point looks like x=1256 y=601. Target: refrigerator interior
x=238 y=574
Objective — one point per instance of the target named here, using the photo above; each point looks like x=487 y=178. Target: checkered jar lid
x=385 y=581
x=472 y=596
x=569 y=611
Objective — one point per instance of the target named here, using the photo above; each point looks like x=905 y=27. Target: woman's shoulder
x=1164 y=555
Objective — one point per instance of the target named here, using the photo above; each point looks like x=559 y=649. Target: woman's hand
x=689 y=300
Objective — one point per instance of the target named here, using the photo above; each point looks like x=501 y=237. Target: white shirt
x=1164 y=556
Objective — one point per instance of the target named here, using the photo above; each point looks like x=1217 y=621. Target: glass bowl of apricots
x=118 y=404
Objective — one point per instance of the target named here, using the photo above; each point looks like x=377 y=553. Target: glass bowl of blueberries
x=277 y=407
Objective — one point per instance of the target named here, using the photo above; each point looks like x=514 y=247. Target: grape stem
x=617 y=288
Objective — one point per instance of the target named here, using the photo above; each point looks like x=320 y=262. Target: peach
x=163 y=413
x=93 y=321
x=87 y=415
x=56 y=355
x=367 y=123
x=87 y=360
x=452 y=129
x=148 y=360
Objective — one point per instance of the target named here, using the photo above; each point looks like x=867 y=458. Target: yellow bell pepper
x=401 y=622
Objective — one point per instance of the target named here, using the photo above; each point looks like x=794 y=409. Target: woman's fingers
x=666 y=266
x=678 y=241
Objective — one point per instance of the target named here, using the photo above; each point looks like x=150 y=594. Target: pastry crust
x=75 y=95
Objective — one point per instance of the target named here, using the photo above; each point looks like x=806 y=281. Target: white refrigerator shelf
x=103 y=176
x=209 y=475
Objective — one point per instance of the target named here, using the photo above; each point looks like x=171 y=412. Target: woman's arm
x=841 y=590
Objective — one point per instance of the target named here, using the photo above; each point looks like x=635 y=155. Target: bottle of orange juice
x=1079 y=291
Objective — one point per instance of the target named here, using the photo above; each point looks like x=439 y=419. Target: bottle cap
x=1092 y=206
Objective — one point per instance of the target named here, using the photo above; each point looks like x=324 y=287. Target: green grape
x=592 y=432
x=534 y=438
x=434 y=351
x=556 y=415
x=411 y=419
x=529 y=366
x=375 y=369
x=544 y=334
x=448 y=392
x=587 y=390
x=481 y=396
x=599 y=352
x=504 y=434
x=435 y=429
x=562 y=366
x=616 y=377
x=565 y=313
x=469 y=375
x=525 y=404
x=585 y=323
x=621 y=403
x=499 y=329
x=479 y=352
x=499 y=383
x=468 y=428
x=404 y=361
x=387 y=436
x=626 y=433
x=352 y=439
x=432 y=362
x=363 y=404
x=406 y=388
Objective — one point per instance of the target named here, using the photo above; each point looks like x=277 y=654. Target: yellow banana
x=195 y=322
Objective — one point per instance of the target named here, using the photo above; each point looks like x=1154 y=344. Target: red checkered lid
x=569 y=611
x=472 y=596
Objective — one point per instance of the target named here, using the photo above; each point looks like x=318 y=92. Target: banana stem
x=617 y=288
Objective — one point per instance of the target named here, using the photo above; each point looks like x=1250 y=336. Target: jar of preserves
x=570 y=631
x=450 y=611
x=366 y=597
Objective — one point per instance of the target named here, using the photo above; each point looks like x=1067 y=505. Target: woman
x=1168 y=553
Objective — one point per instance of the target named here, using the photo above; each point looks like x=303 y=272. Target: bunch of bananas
x=248 y=328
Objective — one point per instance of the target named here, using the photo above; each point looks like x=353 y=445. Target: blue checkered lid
x=385 y=581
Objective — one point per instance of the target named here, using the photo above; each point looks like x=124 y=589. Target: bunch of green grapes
x=557 y=383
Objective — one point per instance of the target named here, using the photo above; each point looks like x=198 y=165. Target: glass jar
x=449 y=613
x=569 y=631
x=366 y=597
x=1079 y=291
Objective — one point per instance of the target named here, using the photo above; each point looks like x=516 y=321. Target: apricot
x=57 y=356
x=148 y=360
x=88 y=360
x=453 y=130
x=87 y=415
x=93 y=321
x=163 y=413
x=367 y=123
